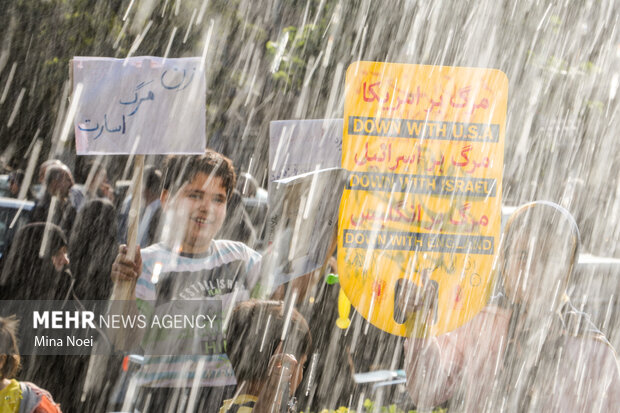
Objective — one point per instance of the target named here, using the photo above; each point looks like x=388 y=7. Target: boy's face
x=201 y=204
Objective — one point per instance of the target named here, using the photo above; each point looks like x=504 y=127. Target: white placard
x=140 y=105
x=298 y=146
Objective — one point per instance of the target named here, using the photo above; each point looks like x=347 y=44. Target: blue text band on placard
x=423 y=129
x=418 y=241
x=421 y=184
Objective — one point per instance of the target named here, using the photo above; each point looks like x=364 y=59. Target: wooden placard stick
x=123 y=290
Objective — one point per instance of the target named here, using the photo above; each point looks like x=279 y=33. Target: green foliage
x=303 y=43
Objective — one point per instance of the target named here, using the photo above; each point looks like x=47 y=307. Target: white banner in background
x=140 y=105
x=297 y=146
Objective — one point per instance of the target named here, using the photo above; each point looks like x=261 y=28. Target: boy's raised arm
x=125 y=274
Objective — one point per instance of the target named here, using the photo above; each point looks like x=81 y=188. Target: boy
x=190 y=264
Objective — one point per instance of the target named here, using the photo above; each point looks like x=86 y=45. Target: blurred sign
x=421 y=210
x=300 y=146
x=139 y=105
x=302 y=223
x=304 y=164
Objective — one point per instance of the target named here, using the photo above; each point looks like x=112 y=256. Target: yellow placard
x=424 y=147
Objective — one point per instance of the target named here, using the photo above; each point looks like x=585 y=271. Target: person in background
x=18 y=396
x=38 y=188
x=92 y=249
x=529 y=349
x=35 y=269
x=16 y=179
x=268 y=368
x=31 y=272
x=58 y=183
x=96 y=186
x=150 y=211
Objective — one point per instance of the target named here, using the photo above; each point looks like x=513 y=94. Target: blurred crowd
x=287 y=348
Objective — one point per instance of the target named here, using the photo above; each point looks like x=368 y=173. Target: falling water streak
x=201 y=13
x=313 y=68
x=177 y=7
x=174 y=32
x=289 y=313
x=279 y=53
x=32 y=163
x=251 y=87
x=310 y=200
x=248 y=124
x=33 y=88
x=93 y=170
x=279 y=148
x=311 y=371
x=360 y=403
x=371 y=308
x=128 y=10
x=75 y=100
x=557 y=370
x=262 y=342
x=318 y=12
x=17 y=214
x=121 y=34
x=203 y=59
x=189 y=26
x=446 y=47
x=16 y=107
x=249 y=61
x=296 y=232
x=156 y=272
x=63 y=105
x=48 y=221
x=333 y=95
x=328 y=51
x=131 y=392
x=23 y=190
x=132 y=154
x=137 y=42
x=163 y=9
x=245 y=184
x=362 y=43
x=233 y=299
x=608 y=313
x=7 y=85
x=193 y=394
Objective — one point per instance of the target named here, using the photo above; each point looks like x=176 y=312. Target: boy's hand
x=124 y=268
x=125 y=273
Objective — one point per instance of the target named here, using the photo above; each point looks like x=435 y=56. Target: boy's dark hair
x=8 y=347
x=182 y=169
x=255 y=332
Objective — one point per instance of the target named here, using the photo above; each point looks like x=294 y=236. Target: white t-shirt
x=229 y=271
